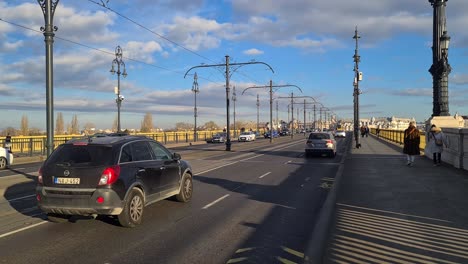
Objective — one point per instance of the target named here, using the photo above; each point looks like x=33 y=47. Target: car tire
x=132 y=213
x=332 y=155
x=186 y=188
x=58 y=218
x=3 y=163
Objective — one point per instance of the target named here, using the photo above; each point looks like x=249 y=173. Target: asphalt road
x=255 y=204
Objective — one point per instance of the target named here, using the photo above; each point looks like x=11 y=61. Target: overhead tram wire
x=104 y=51
x=155 y=33
x=102 y=4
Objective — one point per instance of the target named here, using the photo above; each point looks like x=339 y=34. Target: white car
x=340 y=133
x=6 y=158
x=247 y=136
x=321 y=143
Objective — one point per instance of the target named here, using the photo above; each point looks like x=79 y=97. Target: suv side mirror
x=176 y=156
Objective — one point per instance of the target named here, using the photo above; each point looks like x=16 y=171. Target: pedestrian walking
x=8 y=142
x=411 y=143
x=436 y=141
x=377 y=131
x=367 y=131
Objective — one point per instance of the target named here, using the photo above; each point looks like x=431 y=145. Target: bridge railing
x=397 y=136
x=36 y=145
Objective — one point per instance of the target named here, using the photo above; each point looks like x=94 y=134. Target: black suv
x=111 y=175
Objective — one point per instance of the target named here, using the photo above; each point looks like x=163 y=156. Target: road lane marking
x=293 y=252
x=236 y=260
x=244 y=249
x=216 y=201
x=219 y=167
x=21 y=229
x=264 y=175
x=287 y=162
x=20 y=198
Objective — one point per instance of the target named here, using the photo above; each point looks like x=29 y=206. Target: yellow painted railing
x=397 y=136
x=37 y=144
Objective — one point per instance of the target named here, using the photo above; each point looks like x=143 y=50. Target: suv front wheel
x=186 y=189
x=132 y=213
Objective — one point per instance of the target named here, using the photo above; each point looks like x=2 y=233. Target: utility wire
x=103 y=51
x=105 y=5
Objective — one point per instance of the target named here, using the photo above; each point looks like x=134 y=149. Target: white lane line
x=214 y=202
x=20 y=198
x=202 y=172
x=21 y=229
x=264 y=175
x=16 y=175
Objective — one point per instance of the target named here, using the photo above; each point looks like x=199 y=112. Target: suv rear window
x=319 y=136
x=82 y=154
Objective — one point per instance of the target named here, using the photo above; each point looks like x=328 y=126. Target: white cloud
x=253 y=52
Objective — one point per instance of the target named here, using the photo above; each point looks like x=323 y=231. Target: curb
x=318 y=240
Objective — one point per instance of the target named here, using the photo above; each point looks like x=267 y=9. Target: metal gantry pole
x=357 y=59
x=195 y=90
x=258 y=112
x=315 y=118
x=228 y=74
x=234 y=99
x=292 y=115
x=277 y=120
x=228 y=131
x=271 y=111
x=304 y=116
x=48 y=9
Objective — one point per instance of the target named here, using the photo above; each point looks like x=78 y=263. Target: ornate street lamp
x=195 y=90
x=48 y=9
x=119 y=62
x=440 y=68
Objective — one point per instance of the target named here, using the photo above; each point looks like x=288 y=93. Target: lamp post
x=234 y=99
x=48 y=9
x=258 y=111
x=195 y=91
x=119 y=63
x=440 y=68
x=357 y=78
x=277 y=121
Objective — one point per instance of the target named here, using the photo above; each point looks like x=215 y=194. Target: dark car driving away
x=111 y=175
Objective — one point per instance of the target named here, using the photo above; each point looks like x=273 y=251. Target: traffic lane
x=63 y=239
x=157 y=218
x=27 y=169
x=265 y=208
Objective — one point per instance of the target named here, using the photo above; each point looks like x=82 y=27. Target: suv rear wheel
x=186 y=188
x=132 y=213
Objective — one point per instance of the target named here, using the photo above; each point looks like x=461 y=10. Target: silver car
x=321 y=143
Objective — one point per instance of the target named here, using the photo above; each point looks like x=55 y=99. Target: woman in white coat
x=436 y=141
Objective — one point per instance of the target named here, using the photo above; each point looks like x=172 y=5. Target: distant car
x=275 y=134
x=6 y=158
x=340 y=133
x=219 y=138
x=247 y=136
x=321 y=143
x=285 y=133
x=110 y=175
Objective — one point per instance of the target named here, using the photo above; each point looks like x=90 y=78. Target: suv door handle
x=141 y=170
x=162 y=168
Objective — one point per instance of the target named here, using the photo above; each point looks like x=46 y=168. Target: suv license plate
x=67 y=180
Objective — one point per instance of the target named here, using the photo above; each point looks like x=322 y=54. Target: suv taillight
x=329 y=141
x=39 y=176
x=110 y=175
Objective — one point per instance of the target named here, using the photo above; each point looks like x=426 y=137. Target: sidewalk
x=388 y=212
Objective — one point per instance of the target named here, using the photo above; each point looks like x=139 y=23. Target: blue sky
x=307 y=43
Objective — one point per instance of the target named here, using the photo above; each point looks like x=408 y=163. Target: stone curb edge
x=318 y=240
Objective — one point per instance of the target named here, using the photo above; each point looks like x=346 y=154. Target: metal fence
x=36 y=145
x=397 y=136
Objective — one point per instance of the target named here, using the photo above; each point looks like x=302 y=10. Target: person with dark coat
x=411 y=143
